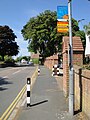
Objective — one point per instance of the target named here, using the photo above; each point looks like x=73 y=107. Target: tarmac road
x=12 y=80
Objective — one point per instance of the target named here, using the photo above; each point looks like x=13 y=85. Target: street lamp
x=80 y=20
x=71 y=78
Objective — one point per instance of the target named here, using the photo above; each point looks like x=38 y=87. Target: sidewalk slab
x=47 y=100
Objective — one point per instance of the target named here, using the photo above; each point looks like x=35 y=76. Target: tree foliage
x=41 y=32
x=87 y=28
x=8 y=46
x=81 y=34
x=18 y=59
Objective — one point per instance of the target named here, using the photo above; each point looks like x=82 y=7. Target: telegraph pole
x=71 y=77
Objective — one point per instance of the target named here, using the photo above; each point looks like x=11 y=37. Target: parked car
x=60 y=68
x=31 y=63
x=24 y=61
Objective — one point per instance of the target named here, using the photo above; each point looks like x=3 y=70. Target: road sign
x=62 y=13
x=62 y=26
x=62 y=19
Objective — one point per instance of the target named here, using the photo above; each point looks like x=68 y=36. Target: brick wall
x=65 y=74
x=77 y=59
x=33 y=55
x=82 y=90
x=81 y=76
x=51 y=61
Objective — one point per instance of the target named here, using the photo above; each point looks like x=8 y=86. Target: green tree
x=27 y=58
x=8 y=46
x=87 y=28
x=18 y=59
x=41 y=32
x=81 y=34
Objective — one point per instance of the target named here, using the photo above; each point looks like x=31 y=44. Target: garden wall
x=51 y=61
x=77 y=59
x=82 y=90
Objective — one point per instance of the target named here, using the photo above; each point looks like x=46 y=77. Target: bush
x=2 y=65
x=18 y=59
x=9 y=59
x=86 y=66
x=0 y=58
x=35 y=60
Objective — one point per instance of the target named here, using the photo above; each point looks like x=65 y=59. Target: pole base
x=28 y=105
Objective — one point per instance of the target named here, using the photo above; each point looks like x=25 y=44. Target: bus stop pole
x=71 y=77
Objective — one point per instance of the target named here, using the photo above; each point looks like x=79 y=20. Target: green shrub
x=1 y=62
x=86 y=66
x=0 y=58
x=18 y=59
x=8 y=59
x=35 y=60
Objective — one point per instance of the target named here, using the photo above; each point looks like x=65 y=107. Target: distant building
x=87 y=49
x=33 y=55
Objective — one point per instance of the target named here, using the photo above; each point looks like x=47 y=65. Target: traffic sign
x=62 y=26
x=62 y=13
x=62 y=19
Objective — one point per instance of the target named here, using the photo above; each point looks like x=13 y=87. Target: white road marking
x=16 y=72
x=5 y=77
x=19 y=71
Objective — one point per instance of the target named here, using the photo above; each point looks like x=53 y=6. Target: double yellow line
x=7 y=113
x=9 y=110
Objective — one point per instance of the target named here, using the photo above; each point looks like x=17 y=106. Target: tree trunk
x=2 y=57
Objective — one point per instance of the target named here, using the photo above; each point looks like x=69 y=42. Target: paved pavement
x=47 y=100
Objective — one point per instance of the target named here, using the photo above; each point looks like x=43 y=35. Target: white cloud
x=20 y=40
x=23 y=51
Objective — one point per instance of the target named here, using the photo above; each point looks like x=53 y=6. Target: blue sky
x=16 y=13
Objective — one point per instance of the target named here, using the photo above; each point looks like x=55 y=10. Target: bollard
x=55 y=70
x=28 y=92
x=58 y=71
x=38 y=71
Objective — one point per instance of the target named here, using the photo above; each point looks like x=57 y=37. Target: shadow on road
x=38 y=103
x=3 y=81
x=35 y=104
x=1 y=88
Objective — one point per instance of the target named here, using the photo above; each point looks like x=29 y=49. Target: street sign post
x=71 y=70
x=62 y=19
x=62 y=26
